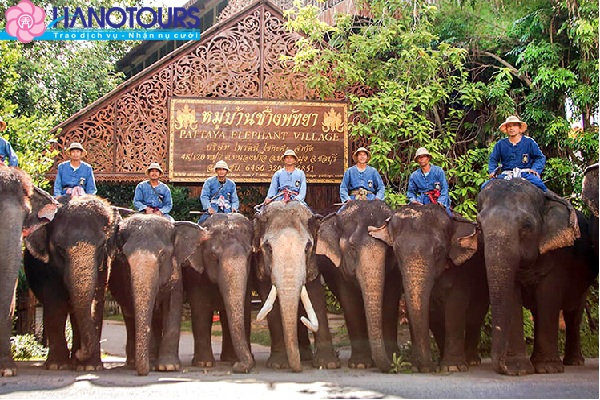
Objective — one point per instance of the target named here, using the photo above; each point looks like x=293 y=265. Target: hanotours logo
x=26 y=22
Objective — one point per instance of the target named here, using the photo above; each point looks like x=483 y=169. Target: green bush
x=26 y=347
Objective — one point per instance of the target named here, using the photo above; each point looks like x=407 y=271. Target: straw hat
x=76 y=146
x=421 y=151
x=364 y=149
x=290 y=152
x=2 y=124
x=155 y=166
x=222 y=164
x=513 y=119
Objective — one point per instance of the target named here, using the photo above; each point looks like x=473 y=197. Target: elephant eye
x=308 y=247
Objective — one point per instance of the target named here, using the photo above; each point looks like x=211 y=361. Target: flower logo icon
x=25 y=21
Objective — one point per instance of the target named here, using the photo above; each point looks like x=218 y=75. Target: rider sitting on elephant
x=219 y=194
x=428 y=184
x=288 y=183
x=74 y=177
x=152 y=196
x=361 y=181
x=6 y=150
x=519 y=156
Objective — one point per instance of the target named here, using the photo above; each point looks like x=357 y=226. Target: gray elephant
x=284 y=239
x=443 y=290
x=67 y=267
x=362 y=275
x=216 y=278
x=520 y=223
x=146 y=282
x=23 y=209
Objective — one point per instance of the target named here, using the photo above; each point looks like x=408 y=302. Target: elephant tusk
x=268 y=306
x=312 y=322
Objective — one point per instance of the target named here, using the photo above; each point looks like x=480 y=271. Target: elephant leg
x=168 y=355
x=352 y=303
x=392 y=293
x=455 y=310
x=55 y=318
x=130 y=345
x=517 y=362
x=573 y=355
x=479 y=304
x=199 y=297
x=548 y=299
x=227 y=351
x=304 y=345
x=325 y=355
x=278 y=357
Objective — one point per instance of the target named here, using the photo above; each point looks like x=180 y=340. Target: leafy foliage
x=27 y=347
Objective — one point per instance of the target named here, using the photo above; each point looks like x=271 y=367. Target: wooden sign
x=252 y=135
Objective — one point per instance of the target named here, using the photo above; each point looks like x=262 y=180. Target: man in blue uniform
x=288 y=183
x=152 y=196
x=517 y=156
x=361 y=181
x=428 y=184
x=7 y=154
x=219 y=193
x=74 y=176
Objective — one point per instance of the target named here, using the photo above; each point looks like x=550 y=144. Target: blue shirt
x=6 y=151
x=369 y=179
x=294 y=181
x=146 y=197
x=69 y=177
x=419 y=183
x=525 y=154
x=220 y=197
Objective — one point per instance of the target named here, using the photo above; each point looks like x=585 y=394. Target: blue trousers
x=527 y=176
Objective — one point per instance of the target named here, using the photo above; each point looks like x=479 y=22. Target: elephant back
x=16 y=184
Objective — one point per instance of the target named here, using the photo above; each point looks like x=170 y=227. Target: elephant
x=284 y=242
x=23 y=209
x=590 y=198
x=67 y=265
x=519 y=224
x=444 y=283
x=216 y=277
x=146 y=282
x=360 y=271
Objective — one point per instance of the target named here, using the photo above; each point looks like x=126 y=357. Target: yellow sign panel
x=252 y=135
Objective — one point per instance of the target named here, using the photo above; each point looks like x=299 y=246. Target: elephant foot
x=450 y=366
x=574 y=360
x=55 y=366
x=554 y=366
x=360 y=363
x=203 y=363
x=514 y=367
x=228 y=357
x=8 y=368
x=473 y=360
x=306 y=353
x=278 y=361
x=243 y=368
x=423 y=367
x=89 y=367
x=326 y=359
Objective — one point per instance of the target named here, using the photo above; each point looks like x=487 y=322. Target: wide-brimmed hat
x=290 y=152
x=421 y=151
x=155 y=166
x=355 y=154
x=513 y=119
x=222 y=164
x=2 y=124
x=76 y=146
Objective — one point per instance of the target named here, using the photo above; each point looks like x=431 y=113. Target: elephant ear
x=382 y=233
x=328 y=240
x=560 y=227
x=463 y=243
x=37 y=244
x=188 y=236
x=43 y=208
x=259 y=260
x=313 y=228
x=113 y=233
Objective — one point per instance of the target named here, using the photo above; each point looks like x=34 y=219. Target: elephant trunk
x=144 y=286
x=234 y=286
x=418 y=283
x=289 y=295
x=501 y=269
x=83 y=278
x=372 y=284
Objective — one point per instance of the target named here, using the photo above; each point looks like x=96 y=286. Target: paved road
x=116 y=381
